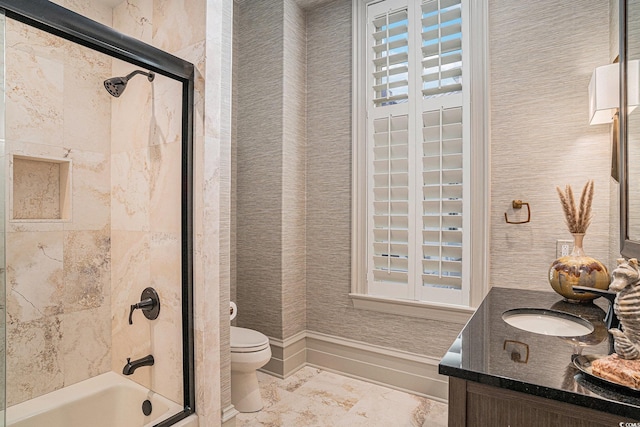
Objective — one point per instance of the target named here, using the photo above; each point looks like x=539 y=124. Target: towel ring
x=518 y=204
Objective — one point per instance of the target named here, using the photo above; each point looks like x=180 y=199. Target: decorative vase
x=577 y=269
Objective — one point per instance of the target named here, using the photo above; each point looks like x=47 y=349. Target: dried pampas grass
x=578 y=217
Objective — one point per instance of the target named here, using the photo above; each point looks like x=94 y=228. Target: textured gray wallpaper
x=259 y=166
x=271 y=139
x=542 y=56
x=329 y=199
x=234 y=154
x=294 y=169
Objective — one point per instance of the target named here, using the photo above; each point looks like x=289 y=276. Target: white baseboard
x=287 y=356
x=228 y=418
x=400 y=370
x=389 y=367
x=386 y=366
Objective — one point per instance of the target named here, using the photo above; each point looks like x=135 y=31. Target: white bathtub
x=107 y=400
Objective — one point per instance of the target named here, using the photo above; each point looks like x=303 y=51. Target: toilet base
x=245 y=391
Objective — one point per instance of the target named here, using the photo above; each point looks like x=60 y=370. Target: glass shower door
x=3 y=400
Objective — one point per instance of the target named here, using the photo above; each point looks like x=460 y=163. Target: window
x=413 y=168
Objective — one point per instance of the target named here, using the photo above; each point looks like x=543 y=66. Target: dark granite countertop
x=490 y=351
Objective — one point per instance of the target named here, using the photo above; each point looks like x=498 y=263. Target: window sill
x=420 y=309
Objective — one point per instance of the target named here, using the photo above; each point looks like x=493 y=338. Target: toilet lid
x=247 y=340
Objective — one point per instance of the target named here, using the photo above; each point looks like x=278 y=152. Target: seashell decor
x=626 y=282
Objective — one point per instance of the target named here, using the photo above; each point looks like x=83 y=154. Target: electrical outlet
x=563 y=247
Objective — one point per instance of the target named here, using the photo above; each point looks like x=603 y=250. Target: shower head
x=116 y=85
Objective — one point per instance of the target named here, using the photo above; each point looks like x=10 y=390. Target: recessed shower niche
x=40 y=189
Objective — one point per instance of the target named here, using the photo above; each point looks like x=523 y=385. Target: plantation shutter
x=442 y=153
x=441 y=47
x=415 y=151
x=442 y=196
x=390 y=255
x=389 y=131
x=390 y=57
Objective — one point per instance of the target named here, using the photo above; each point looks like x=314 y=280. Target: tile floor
x=313 y=397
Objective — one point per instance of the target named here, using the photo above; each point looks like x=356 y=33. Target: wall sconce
x=604 y=91
x=604 y=100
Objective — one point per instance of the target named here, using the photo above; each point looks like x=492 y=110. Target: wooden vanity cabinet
x=472 y=404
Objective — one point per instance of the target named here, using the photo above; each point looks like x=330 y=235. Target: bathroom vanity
x=500 y=375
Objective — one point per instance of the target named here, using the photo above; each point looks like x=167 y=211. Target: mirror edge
x=628 y=248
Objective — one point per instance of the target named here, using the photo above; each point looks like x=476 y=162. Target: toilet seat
x=245 y=340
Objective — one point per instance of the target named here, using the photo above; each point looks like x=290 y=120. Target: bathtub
x=107 y=400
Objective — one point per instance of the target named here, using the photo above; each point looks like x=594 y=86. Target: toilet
x=250 y=351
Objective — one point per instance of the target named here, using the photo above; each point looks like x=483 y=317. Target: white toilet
x=250 y=351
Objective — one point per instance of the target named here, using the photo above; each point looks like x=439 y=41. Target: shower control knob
x=149 y=304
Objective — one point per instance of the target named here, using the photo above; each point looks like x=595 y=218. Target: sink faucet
x=611 y=320
x=130 y=367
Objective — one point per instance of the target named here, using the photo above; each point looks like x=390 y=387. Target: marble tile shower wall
x=70 y=283
x=3 y=265
x=178 y=27
x=145 y=236
x=58 y=272
x=145 y=210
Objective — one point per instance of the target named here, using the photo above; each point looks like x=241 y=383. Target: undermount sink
x=547 y=322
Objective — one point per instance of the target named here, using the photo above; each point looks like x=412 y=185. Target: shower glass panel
x=93 y=218
x=2 y=232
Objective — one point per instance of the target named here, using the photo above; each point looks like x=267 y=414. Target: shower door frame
x=64 y=23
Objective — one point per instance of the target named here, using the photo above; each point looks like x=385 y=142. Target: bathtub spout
x=130 y=367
